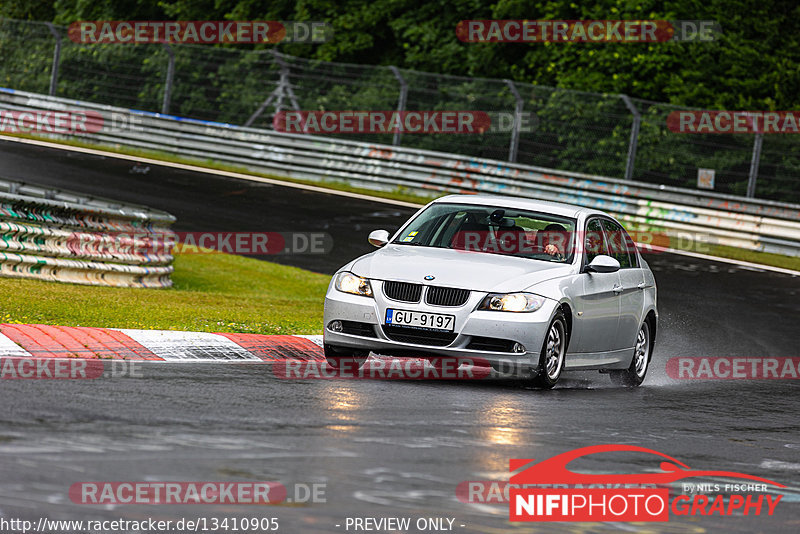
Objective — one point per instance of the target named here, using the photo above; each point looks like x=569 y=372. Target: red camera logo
x=549 y=491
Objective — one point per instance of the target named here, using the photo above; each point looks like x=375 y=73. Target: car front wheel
x=634 y=375
x=345 y=359
x=554 y=349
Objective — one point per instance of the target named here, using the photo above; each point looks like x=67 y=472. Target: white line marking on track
x=314 y=339
x=9 y=349
x=192 y=346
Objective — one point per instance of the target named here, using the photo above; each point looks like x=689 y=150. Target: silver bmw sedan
x=532 y=288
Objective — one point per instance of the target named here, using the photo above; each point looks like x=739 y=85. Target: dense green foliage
x=755 y=65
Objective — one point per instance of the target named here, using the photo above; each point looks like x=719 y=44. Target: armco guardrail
x=59 y=236
x=746 y=223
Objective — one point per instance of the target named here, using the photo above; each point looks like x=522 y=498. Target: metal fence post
x=754 y=161
x=514 y=146
x=401 y=102
x=168 y=81
x=56 y=59
x=637 y=120
x=283 y=89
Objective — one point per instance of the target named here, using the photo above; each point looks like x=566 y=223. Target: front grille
x=358 y=329
x=491 y=344
x=402 y=291
x=404 y=334
x=447 y=296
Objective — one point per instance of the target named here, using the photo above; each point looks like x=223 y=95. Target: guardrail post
x=401 y=102
x=56 y=59
x=514 y=146
x=168 y=81
x=754 y=161
x=637 y=120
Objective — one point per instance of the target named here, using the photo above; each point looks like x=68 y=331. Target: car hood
x=456 y=268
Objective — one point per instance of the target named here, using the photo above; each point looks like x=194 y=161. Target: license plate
x=415 y=319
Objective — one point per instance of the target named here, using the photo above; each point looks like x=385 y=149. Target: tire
x=634 y=375
x=553 y=354
x=345 y=359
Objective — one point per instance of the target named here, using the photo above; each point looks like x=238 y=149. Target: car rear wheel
x=554 y=349
x=634 y=375
x=345 y=359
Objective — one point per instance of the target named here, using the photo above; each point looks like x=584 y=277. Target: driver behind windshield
x=554 y=239
x=490 y=230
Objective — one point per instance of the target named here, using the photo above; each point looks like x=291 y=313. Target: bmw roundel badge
x=430 y=277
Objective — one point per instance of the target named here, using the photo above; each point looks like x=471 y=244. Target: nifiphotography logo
x=549 y=491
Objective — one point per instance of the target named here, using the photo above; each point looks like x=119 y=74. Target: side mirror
x=379 y=238
x=603 y=264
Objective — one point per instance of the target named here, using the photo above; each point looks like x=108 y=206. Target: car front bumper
x=527 y=329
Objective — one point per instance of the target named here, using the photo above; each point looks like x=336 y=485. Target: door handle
x=643 y=285
x=617 y=289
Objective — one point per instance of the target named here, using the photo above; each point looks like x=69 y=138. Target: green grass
x=212 y=293
x=764 y=258
x=400 y=193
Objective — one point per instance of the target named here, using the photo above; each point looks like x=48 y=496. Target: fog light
x=518 y=347
x=335 y=326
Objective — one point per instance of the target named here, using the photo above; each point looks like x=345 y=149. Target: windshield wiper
x=409 y=243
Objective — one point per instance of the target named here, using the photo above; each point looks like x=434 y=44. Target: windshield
x=492 y=230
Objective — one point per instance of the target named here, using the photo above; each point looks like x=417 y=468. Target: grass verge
x=763 y=258
x=212 y=293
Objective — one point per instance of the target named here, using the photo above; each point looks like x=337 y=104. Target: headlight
x=512 y=302
x=350 y=283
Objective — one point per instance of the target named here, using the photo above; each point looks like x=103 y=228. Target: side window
x=631 y=248
x=594 y=243
x=615 y=237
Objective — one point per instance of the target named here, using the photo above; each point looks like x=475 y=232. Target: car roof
x=544 y=206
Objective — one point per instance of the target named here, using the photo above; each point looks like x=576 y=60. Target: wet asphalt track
x=389 y=448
